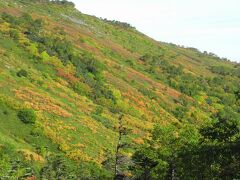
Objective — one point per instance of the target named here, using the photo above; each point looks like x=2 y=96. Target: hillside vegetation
x=88 y=98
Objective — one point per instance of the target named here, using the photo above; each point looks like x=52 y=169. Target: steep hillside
x=70 y=84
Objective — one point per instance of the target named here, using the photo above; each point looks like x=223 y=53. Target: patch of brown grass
x=11 y=10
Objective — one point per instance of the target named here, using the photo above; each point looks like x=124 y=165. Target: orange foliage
x=31 y=178
x=68 y=76
x=136 y=131
x=139 y=100
x=41 y=102
x=138 y=141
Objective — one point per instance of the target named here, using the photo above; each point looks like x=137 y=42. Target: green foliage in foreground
x=13 y=166
x=173 y=153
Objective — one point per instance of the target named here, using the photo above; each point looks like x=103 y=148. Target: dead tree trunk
x=121 y=133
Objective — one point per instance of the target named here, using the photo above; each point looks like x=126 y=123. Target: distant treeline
x=119 y=23
x=61 y=2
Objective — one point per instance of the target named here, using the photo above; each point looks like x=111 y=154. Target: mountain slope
x=79 y=74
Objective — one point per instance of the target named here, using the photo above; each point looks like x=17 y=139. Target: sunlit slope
x=106 y=69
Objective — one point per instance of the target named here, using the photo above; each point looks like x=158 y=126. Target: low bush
x=27 y=116
x=22 y=73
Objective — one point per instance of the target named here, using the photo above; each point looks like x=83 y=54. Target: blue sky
x=211 y=25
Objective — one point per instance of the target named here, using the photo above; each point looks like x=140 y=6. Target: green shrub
x=22 y=73
x=99 y=110
x=5 y=112
x=14 y=34
x=104 y=121
x=27 y=116
x=10 y=19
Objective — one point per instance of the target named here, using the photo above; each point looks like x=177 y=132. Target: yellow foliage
x=89 y=123
x=23 y=40
x=11 y=102
x=32 y=156
x=78 y=155
x=5 y=27
x=147 y=136
x=2 y=51
x=70 y=68
x=136 y=123
x=56 y=138
x=59 y=126
x=32 y=48
x=55 y=62
x=79 y=145
x=44 y=55
x=116 y=93
x=101 y=157
x=176 y=134
x=61 y=82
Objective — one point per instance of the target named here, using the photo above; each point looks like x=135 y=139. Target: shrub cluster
x=27 y=116
x=22 y=73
